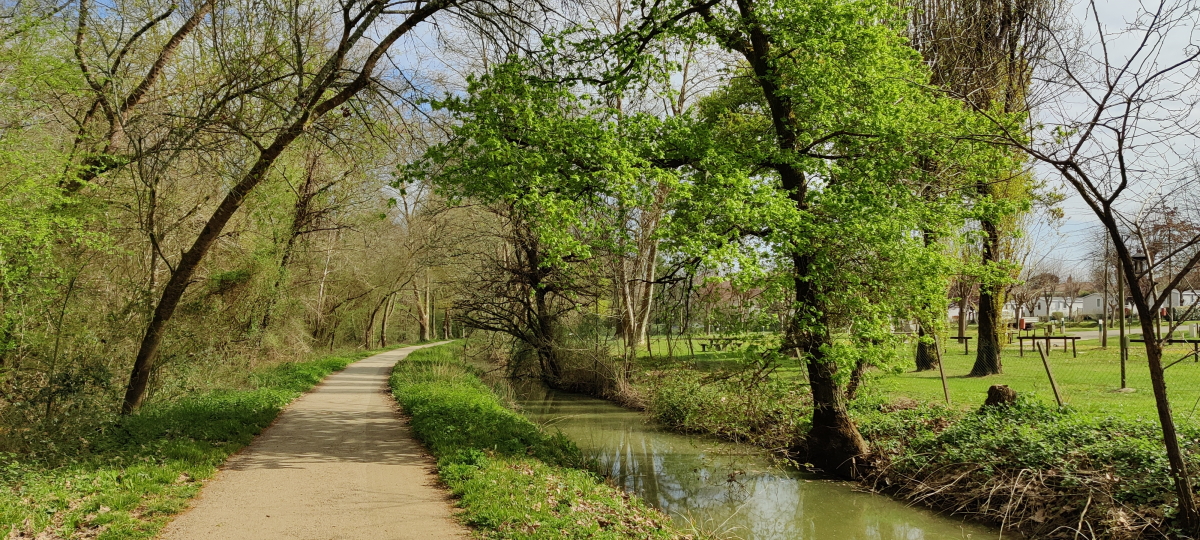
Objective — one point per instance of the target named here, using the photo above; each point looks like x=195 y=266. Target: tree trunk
x=991 y=308
x=544 y=331
x=856 y=375
x=422 y=305
x=139 y=378
x=1183 y=487
x=928 y=355
x=963 y=303
x=383 y=325
x=369 y=328
x=647 y=293
x=833 y=441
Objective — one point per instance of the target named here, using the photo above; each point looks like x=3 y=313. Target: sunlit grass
x=1089 y=382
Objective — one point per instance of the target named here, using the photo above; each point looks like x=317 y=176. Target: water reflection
x=729 y=488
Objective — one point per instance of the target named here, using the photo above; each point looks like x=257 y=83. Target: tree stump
x=1000 y=395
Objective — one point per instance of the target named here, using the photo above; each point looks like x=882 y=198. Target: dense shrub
x=773 y=414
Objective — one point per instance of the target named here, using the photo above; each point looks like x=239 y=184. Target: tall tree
x=983 y=52
x=559 y=173
x=816 y=153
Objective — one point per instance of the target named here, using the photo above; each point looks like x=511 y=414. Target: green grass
x=142 y=469
x=513 y=480
x=1088 y=383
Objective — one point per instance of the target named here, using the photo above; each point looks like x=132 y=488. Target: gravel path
x=339 y=463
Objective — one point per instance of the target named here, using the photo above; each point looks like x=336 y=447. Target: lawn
x=1088 y=382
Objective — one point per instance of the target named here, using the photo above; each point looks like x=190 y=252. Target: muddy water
x=731 y=490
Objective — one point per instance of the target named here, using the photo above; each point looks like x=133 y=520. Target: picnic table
x=1064 y=338
x=720 y=343
x=1175 y=341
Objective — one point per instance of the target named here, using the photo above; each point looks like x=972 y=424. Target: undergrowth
x=513 y=480
x=1049 y=472
x=134 y=473
x=768 y=413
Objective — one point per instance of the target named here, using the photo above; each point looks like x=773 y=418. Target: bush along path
x=142 y=469
x=513 y=480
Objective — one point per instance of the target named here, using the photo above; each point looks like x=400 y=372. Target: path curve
x=339 y=463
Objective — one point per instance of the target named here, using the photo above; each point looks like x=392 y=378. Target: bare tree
x=1071 y=289
x=1046 y=283
x=1120 y=126
x=515 y=292
x=329 y=75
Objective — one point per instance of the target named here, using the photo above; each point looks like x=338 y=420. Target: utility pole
x=1106 y=320
x=1121 y=321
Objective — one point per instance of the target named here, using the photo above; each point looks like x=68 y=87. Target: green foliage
x=513 y=480
x=140 y=470
x=771 y=412
x=224 y=281
x=557 y=158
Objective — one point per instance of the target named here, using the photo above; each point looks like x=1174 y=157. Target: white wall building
x=1090 y=306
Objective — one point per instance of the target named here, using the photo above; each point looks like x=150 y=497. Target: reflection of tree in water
x=690 y=479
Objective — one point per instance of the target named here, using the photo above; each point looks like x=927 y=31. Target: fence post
x=1053 y=385
x=942 y=372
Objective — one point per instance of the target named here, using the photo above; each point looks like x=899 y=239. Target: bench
x=1175 y=341
x=966 y=341
x=1065 y=339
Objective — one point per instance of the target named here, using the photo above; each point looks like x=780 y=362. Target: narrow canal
x=732 y=490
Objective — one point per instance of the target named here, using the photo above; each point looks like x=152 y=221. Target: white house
x=1057 y=304
x=1092 y=305
x=1184 y=298
x=1089 y=306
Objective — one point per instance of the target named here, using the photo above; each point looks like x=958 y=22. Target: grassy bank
x=138 y=471
x=513 y=480
x=1032 y=467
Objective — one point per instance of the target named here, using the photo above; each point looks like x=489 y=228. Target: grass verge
x=140 y=470
x=513 y=480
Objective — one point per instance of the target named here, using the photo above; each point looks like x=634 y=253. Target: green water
x=733 y=490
